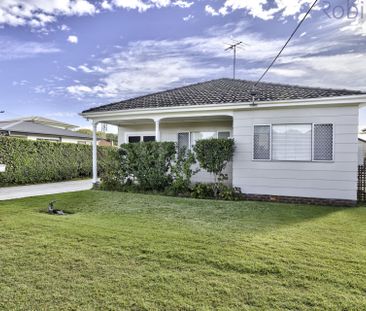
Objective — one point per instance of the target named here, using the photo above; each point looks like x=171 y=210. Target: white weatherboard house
x=292 y=142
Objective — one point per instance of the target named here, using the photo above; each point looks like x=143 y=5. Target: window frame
x=270 y=143
x=312 y=142
x=189 y=138
x=191 y=132
x=333 y=145
x=141 y=134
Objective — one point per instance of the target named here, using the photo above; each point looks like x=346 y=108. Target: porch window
x=189 y=139
x=148 y=138
x=201 y=135
x=183 y=141
x=133 y=139
x=223 y=135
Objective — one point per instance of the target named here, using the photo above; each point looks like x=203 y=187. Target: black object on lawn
x=52 y=210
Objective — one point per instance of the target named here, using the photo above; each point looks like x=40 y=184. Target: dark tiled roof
x=220 y=92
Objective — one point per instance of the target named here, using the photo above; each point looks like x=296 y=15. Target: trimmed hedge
x=31 y=162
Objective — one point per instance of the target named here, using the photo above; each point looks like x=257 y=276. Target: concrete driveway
x=8 y=193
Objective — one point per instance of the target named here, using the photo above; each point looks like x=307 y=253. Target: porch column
x=157 y=129
x=95 y=165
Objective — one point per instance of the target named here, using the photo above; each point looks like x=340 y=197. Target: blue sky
x=59 y=57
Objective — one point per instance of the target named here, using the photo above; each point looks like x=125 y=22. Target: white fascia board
x=220 y=109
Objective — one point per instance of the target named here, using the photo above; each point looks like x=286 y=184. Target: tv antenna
x=104 y=128
x=233 y=47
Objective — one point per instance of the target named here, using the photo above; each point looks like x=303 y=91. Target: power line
x=287 y=42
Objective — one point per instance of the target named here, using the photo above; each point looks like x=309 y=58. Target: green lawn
x=140 y=252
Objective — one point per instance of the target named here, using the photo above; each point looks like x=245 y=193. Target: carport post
x=95 y=165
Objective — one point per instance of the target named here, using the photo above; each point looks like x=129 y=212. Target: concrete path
x=17 y=192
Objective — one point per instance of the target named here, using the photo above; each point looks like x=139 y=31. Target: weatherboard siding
x=329 y=180
x=169 y=132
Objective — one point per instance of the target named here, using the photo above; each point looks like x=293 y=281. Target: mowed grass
x=123 y=251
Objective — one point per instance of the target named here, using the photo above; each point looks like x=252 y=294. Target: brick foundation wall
x=299 y=200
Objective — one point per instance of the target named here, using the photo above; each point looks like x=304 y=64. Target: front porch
x=183 y=130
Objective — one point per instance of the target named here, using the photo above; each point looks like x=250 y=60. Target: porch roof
x=222 y=91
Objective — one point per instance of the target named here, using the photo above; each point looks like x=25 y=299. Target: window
x=262 y=142
x=223 y=135
x=291 y=142
x=148 y=138
x=183 y=141
x=323 y=142
x=202 y=135
x=134 y=139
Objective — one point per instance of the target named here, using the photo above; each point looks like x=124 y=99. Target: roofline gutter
x=326 y=101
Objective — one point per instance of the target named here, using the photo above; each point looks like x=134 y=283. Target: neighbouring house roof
x=220 y=92
x=45 y=121
x=28 y=127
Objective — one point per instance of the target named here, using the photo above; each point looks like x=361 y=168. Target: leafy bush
x=207 y=191
x=148 y=164
x=113 y=173
x=157 y=166
x=182 y=172
x=213 y=156
x=202 y=191
x=31 y=162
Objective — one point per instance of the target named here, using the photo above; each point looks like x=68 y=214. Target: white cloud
x=94 y=69
x=72 y=68
x=137 y=68
x=144 y=5
x=11 y=49
x=72 y=39
x=260 y=8
x=210 y=10
x=64 y=27
x=183 y=4
x=38 y=13
x=106 y=5
x=357 y=24
x=79 y=90
x=188 y=17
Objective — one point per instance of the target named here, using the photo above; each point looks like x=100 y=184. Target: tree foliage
x=214 y=154
x=31 y=162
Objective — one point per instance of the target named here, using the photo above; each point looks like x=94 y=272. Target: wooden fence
x=361 y=187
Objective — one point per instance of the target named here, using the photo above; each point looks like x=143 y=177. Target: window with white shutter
x=262 y=142
x=323 y=142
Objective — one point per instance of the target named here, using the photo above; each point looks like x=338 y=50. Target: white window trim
x=312 y=143
x=191 y=132
x=333 y=146
x=270 y=143
x=141 y=134
x=189 y=138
